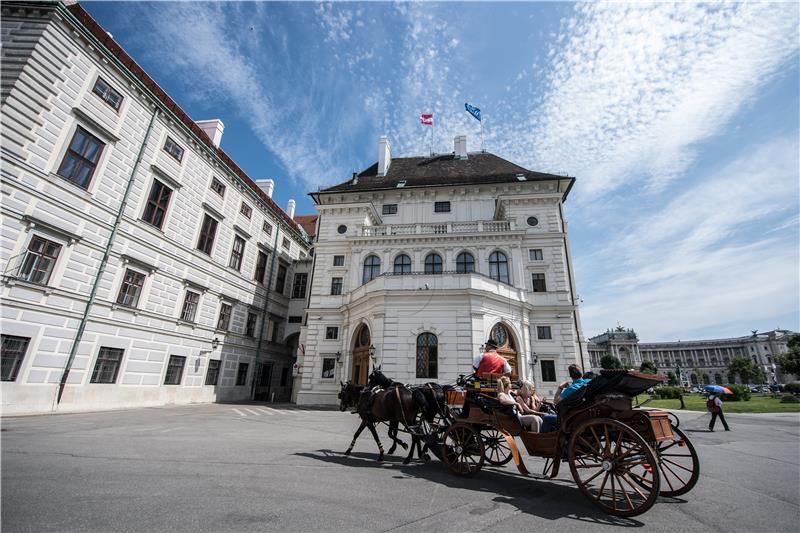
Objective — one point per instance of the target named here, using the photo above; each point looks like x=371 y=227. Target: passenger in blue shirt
x=563 y=392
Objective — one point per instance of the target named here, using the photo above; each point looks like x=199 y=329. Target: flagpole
x=483 y=146
x=433 y=125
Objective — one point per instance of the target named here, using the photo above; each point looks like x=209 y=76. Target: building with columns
x=419 y=260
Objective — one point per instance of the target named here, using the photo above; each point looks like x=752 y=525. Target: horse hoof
x=426 y=457
x=380 y=458
x=347 y=452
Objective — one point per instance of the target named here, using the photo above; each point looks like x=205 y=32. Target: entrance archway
x=506 y=346
x=361 y=343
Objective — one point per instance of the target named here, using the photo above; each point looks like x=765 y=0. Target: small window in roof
x=401 y=183
x=521 y=177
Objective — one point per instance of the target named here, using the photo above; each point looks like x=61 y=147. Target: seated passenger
x=529 y=406
x=490 y=362
x=565 y=390
x=529 y=422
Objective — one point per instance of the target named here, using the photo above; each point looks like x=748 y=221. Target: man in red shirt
x=490 y=362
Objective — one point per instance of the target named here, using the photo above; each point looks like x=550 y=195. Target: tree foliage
x=789 y=362
x=648 y=367
x=746 y=369
x=609 y=362
x=672 y=379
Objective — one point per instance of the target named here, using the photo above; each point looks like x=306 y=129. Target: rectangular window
x=250 y=329
x=173 y=149
x=157 y=204
x=224 y=319
x=246 y=210
x=535 y=255
x=286 y=243
x=39 y=260
x=299 y=287
x=219 y=188
x=328 y=364
x=81 y=158
x=174 y=370
x=261 y=267
x=237 y=253
x=267 y=228
x=331 y=333
x=284 y=376
x=538 y=282
x=336 y=286
x=131 y=288
x=441 y=207
x=543 y=333
x=107 y=366
x=189 y=309
x=12 y=353
x=280 y=282
x=548 y=371
x=338 y=260
x=241 y=374
x=389 y=209
x=212 y=375
x=295 y=320
x=207 y=234
x=107 y=94
x=275 y=332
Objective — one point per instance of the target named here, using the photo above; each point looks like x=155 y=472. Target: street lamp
x=338 y=357
x=372 y=352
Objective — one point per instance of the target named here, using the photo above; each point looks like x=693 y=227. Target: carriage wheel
x=462 y=450
x=678 y=463
x=495 y=448
x=614 y=467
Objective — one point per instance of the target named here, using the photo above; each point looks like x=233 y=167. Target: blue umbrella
x=716 y=389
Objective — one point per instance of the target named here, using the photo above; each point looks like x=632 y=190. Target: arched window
x=718 y=379
x=427 y=355
x=465 y=263
x=372 y=268
x=433 y=264
x=694 y=379
x=402 y=264
x=498 y=267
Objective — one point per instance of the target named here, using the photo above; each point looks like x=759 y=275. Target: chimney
x=460 y=150
x=213 y=128
x=384 y=155
x=266 y=185
x=290 y=209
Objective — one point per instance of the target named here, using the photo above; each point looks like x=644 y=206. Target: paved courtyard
x=280 y=468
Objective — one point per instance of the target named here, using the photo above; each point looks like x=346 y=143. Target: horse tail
x=421 y=400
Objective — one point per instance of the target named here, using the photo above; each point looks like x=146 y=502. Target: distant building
x=700 y=361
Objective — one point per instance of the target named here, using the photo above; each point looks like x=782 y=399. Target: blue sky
x=680 y=123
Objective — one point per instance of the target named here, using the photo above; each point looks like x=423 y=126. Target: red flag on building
x=426 y=118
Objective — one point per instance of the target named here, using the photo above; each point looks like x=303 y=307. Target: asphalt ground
x=260 y=467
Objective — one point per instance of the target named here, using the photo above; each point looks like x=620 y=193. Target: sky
x=680 y=123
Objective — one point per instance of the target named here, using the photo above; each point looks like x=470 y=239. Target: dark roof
x=138 y=72
x=442 y=170
x=309 y=223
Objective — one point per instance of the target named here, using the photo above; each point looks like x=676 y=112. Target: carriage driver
x=490 y=362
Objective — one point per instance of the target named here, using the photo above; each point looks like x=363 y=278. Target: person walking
x=714 y=406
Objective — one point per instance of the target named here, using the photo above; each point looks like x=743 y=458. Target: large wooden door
x=360 y=369
x=506 y=347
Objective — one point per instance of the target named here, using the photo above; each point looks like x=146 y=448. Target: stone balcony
x=439 y=228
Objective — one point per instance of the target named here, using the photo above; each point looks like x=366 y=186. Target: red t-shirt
x=491 y=363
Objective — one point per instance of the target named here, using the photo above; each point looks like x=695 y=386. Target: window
x=157 y=204
x=544 y=333
x=250 y=328
x=275 y=332
x=465 y=263
x=535 y=255
x=246 y=210
x=266 y=228
x=131 y=288
x=207 y=233
x=372 y=268
x=295 y=320
x=107 y=94
x=107 y=365
x=172 y=148
x=427 y=355
x=498 y=267
x=81 y=158
x=286 y=243
x=212 y=375
x=284 y=376
x=338 y=260
x=331 y=333
x=224 y=319
x=336 y=286
x=538 y=282
x=441 y=207
x=341 y=229
x=241 y=374
x=219 y=188
x=237 y=253
x=280 y=282
x=189 y=310
x=548 y=371
x=299 y=286
x=174 y=370
x=328 y=365
x=402 y=264
x=533 y=221
x=39 y=260
x=261 y=267
x=12 y=353
x=433 y=264
x=389 y=209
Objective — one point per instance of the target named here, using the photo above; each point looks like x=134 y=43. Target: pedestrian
x=714 y=406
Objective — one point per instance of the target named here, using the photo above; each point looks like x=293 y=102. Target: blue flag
x=474 y=111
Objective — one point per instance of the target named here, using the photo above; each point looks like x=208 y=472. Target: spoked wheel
x=614 y=467
x=678 y=463
x=496 y=450
x=462 y=450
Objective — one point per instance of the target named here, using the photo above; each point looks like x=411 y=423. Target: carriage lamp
x=338 y=357
x=372 y=352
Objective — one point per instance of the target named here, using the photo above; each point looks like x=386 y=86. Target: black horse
x=349 y=394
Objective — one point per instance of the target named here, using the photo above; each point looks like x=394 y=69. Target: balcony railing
x=30 y=267
x=480 y=226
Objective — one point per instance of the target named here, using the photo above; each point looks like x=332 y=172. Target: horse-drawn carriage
x=621 y=457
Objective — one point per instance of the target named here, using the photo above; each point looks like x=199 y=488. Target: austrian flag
x=426 y=118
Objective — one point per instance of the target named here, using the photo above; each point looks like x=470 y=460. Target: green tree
x=648 y=367
x=746 y=369
x=672 y=379
x=609 y=361
x=789 y=362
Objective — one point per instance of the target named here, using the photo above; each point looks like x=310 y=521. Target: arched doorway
x=361 y=343
x=506 y=346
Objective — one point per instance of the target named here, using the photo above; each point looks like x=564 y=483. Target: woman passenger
x=530 y=422
x=529 y=405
